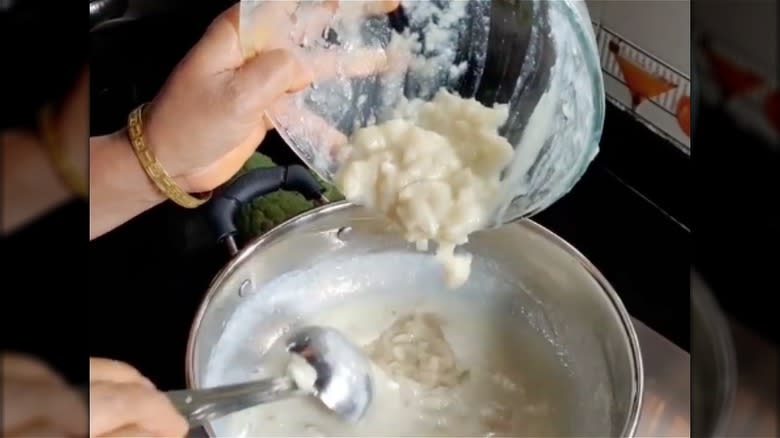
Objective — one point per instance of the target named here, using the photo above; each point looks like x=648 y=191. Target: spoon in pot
x=323 y=364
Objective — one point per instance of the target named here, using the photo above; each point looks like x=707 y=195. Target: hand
x=123 y=403
x=210 y=115
x=36 y=402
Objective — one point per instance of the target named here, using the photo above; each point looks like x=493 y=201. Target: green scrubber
x=266 y=212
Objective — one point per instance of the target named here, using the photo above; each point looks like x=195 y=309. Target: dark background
x=28 y=30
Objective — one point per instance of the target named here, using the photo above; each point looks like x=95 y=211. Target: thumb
x=261 y=80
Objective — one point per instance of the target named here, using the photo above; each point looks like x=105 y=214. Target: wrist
x=160 y=146
x=119 y=187
x=115 y=168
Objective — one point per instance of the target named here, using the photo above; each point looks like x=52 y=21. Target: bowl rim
x=283 y=229
x=585 y=35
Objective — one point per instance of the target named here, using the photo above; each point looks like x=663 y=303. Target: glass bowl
x=538 y=56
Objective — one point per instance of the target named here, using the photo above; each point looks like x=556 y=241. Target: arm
x=119 y=189
x=31 y=185
x=42 y=168
x=207 y=119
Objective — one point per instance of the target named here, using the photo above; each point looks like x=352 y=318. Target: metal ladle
x=342 y=381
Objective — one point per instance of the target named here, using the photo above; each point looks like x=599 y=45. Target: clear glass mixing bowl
x=537 y=56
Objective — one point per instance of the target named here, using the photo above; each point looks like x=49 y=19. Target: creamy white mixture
x=303 y=374
x=442 y=367
x=434 y=171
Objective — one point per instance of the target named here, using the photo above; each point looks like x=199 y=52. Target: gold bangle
x=153 y=168
x=74 y=180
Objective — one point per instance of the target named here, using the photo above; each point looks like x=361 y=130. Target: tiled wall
x=646 y=47
x=739 y=62
x=645 y=54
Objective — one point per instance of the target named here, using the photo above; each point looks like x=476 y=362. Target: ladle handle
x=201 y=405
x=254 y=184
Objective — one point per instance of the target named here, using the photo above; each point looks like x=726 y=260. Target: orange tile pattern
x=653 y=91
x=646 y=80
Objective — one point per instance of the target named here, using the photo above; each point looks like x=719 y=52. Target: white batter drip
x=510 y=381
x=434 y=171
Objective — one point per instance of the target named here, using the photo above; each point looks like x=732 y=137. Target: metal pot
x=522 y=270
x=713 y=364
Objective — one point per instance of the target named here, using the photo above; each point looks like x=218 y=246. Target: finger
x=27 y=403
x=379 y=7
x=339 y=63
x=36 y=430
x=23 y=367
x=330 y=64
x=263 y=80
x=113 y=406
x=263 y=25
x=311 y=20
x=132 y=431
x=283 y=24
x=302 y=123
x=220 y=47
x=114 y=371
x=367 y=8
x=268 y=123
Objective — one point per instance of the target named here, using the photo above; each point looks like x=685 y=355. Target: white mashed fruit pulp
x=433 y=377
x=433 y=171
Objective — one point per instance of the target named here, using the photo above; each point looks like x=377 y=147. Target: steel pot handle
x=226 y=203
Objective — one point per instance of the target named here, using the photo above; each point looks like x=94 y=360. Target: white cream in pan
x=432 y=377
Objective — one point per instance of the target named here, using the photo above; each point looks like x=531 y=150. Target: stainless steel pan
x=336 y=255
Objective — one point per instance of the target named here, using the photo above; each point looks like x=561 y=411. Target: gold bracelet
x=153 y=168
x=74 y=180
